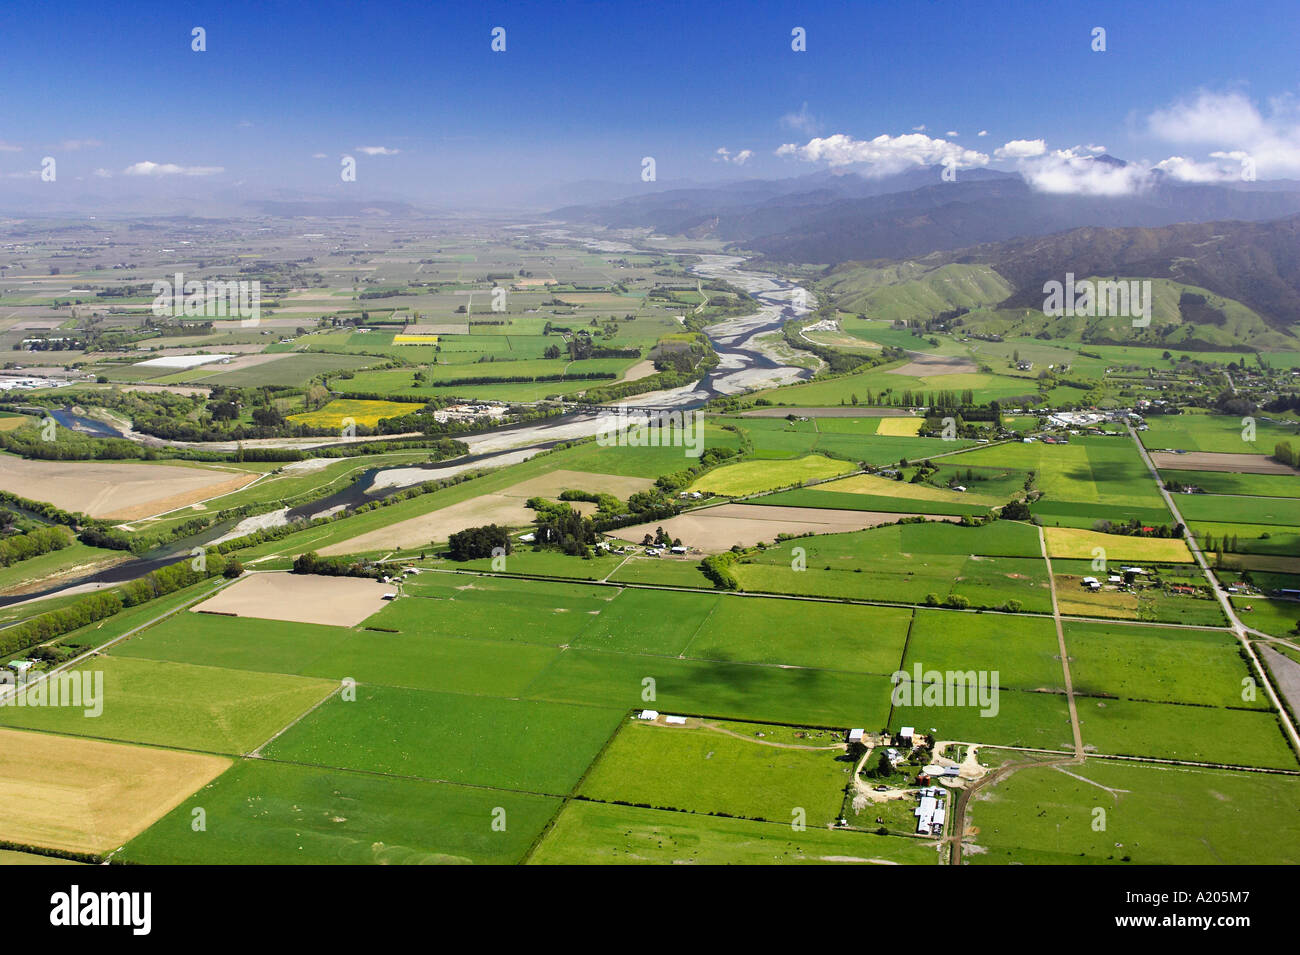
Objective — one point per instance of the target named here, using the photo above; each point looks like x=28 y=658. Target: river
x=745 y=364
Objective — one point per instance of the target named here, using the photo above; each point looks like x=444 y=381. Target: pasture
x=751 y=477
x=179 y=705
x=1154 y=815
x=539 y=747
x=588 y=833
x=1222 y=434
x=265 y=813
x=907 y=563
x=1163 y=664
x=755 y=771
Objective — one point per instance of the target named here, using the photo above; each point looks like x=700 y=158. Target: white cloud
x=1209 y=118
x=722 y=154
x=29 y=174
x=319 y=156
x=378 y=150
x=147 y=168
x=1236 y=126
x=1021 y=149
x=102 y=174
x=919 y=129
x=1191 y=170
x=1064 y=171
x=9 y=147
x=72 y=145
x=951 y=134
x=885 y=154
x=982 y=132
x=802 y=121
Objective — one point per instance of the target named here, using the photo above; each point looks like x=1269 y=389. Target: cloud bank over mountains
x=1238 y=142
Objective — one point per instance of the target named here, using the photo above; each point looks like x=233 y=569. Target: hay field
x=750 y=477
x=900 y=427
x=884 y=487
x=85 y=795
x=1073 y=542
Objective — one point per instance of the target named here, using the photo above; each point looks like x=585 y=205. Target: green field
x=1154 y=815
x=1227 y=482
x=484 y=741
x=1231 y=737
x=1243 y=510
x=906 y=563
x=750 y=477
x=1089 y=470
x=1164 y=664
x=599 y=834
x=1023 y=651
x=1216 y=433
x=737 y=769
x=261 y=812
x=182 y=705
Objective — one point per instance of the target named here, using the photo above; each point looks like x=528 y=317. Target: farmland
x=117 y=791
x=1046 y=816
x=735 y=480
x=339 y=412
x=454 y=645
x=756 y=772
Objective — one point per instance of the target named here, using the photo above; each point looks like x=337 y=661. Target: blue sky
x=584 y=90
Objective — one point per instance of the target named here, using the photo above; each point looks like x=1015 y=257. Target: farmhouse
x=932 y=812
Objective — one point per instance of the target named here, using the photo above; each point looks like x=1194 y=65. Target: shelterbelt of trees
x=105 y=603
x=40 y=540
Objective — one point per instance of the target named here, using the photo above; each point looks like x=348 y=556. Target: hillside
x=1215 y=285
x=829 y=219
